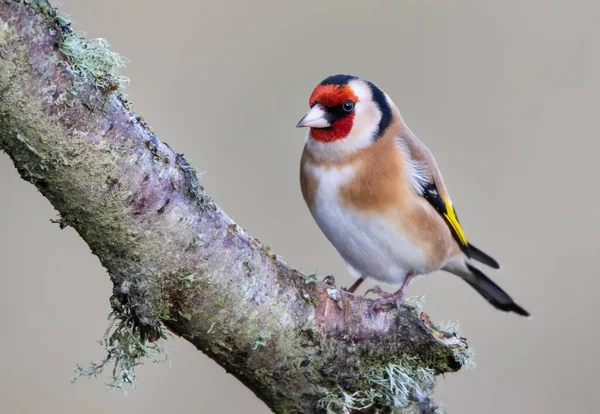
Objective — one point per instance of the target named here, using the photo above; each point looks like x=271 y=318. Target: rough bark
x=175 y=258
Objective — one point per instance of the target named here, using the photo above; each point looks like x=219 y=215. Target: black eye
x=348 y=106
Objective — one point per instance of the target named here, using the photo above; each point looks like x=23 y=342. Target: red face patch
x=329 y=96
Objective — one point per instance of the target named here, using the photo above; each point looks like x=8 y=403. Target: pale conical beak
x=316 y=117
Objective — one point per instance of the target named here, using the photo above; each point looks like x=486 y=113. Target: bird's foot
x=378 y=291
x=394 y=299
x=329 y=280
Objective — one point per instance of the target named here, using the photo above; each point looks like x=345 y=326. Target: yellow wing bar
x=450 y=216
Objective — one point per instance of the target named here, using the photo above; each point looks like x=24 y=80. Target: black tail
x=492 y=292
x=482 y=257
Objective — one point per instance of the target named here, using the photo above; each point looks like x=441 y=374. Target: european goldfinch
x=377 y=194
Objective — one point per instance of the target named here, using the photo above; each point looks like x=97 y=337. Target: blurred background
x=505 y=94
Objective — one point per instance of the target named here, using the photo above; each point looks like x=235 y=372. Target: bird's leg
x=354 y=286
x=393 y=299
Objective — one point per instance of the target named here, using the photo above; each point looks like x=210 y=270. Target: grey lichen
x=126 y=348
x=466 y=357
x=91 y=61
x=395 y=388
x=396 y=385
x=450 y=326
x=451 y=329
x=414 y=303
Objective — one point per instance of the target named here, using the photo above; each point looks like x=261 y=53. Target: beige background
x=506 y=94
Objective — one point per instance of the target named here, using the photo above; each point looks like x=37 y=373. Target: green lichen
x=41 y=5
x=220 y=302
x=37 y=143
x=91 y=61
x=188 y=281
x=309 y=279
x=45 y=7
x=126 y=348
x=140 y=288
x=261 y=340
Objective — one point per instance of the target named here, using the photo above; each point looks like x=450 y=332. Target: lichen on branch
x=126 y=348
x=91 y=61
x=177 y=260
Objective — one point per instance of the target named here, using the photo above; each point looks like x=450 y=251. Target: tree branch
x=176 y=259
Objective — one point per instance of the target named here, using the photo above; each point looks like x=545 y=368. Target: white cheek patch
x=364 y=127
x=367 y=116
x=366 y=124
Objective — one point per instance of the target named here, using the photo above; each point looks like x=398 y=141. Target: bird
x=376 y=192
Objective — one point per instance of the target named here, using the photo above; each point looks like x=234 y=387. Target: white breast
x=371 y=245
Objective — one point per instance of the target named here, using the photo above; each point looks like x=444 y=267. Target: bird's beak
x=316 y=117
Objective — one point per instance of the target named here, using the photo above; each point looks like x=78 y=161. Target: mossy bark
x=173 y=255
